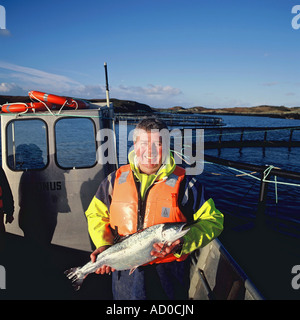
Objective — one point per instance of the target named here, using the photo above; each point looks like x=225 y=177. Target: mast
x=111 y=112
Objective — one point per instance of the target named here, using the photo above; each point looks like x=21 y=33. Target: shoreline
x=125 y=106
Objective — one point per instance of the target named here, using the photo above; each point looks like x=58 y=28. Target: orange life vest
x=128 y=213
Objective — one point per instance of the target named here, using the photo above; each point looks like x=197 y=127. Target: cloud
x=270 y=84
x=154 y=95
x=5 y=33
x=87 y=92
x=34 y=79
x=151 y=90
x=19 y=80
x=11 y=89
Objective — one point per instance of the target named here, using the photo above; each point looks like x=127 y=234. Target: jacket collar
x=164 y=171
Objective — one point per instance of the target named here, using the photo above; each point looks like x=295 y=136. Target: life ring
x=51 y=98
x=14 y=107
x=41 y=106
x=24 y=107
x=78 y=104
x=46 y=102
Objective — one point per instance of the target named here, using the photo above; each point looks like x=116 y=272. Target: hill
x=119 y=105
x=126 y=106
x=263 y=110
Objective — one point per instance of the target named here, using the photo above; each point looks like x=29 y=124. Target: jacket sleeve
x=206 y=220
x=97 y=214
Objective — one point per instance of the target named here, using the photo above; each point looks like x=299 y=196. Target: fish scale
x=131 y=252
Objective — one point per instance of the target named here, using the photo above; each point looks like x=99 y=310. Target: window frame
x=55 y=143
x=7 y=144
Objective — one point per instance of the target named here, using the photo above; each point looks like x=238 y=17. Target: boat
x=56 y=193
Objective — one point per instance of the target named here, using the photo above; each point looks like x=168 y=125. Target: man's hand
x=104 y=269
x=163 y=249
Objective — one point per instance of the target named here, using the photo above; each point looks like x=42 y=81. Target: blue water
x=238 y=195
x=252 y=121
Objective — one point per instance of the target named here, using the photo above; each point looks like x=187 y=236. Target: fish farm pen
x=172 y=119
x=238 y=137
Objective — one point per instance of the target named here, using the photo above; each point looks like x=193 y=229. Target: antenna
x=107 y=87
x=111 y=112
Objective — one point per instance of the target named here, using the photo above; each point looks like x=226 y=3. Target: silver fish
x=131 y=252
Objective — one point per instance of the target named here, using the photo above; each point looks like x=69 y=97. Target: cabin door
x=54 y=169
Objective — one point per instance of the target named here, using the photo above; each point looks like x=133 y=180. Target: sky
x=164 y=53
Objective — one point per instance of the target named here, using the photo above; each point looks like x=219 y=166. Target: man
x=150 y=190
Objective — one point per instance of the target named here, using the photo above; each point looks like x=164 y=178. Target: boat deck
x=36 y=272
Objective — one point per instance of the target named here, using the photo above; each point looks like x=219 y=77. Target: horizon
x=170 y=107
x=217 y=54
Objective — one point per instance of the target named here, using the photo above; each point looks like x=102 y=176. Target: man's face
x=148 y=149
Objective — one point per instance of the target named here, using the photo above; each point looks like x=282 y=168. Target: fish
x=131 y=252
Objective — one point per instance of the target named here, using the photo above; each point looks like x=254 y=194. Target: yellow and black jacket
x=128 y=201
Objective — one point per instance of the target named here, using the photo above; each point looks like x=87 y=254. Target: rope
x=265 y=175
x=259 y=179
x=40 y=101
x=62 y=107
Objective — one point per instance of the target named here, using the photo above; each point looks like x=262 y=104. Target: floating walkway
x=173 y=119
x=238 y=137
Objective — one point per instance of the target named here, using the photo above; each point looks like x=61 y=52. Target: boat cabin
x=54 y=167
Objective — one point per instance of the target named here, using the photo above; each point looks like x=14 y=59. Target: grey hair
x=149 y=124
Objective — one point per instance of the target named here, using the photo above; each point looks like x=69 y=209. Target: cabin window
x=75 y=143
x=27 y=147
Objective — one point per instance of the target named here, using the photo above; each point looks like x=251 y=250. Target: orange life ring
x=78 y=104
x=14 y=107
x=46 y=102
x=23 y=107
x=41 y=106
x=51 y=98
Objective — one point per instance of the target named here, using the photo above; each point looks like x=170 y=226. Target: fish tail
x=76 y=277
